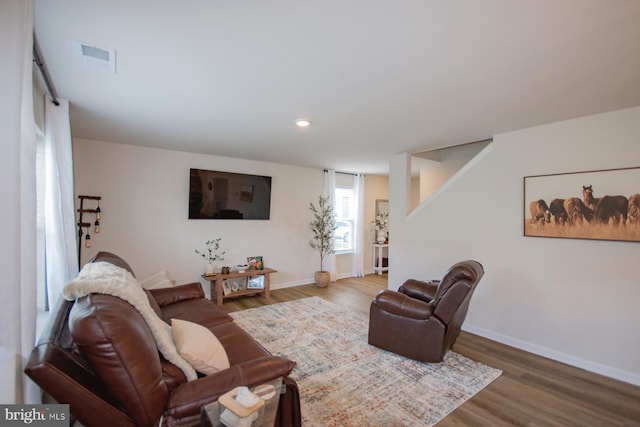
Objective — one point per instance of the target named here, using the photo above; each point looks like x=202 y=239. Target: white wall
x=144 y=209
x=572 y=300
x=17 y=192
x=446 y=162
x=145 y=205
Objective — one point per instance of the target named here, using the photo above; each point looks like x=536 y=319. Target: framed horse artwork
x=599 y=204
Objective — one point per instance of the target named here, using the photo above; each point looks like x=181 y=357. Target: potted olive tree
x=322 y=227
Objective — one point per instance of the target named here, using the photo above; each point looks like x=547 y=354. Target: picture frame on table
x=255 y=263
x=255 y=282
x=226 y=288
x=234 y=284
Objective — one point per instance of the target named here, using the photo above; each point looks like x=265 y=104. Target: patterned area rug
x=344 y=381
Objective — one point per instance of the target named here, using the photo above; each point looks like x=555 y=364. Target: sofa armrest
x=187 y=399
x=403 y=305
x=422 y=290
x=166 y=296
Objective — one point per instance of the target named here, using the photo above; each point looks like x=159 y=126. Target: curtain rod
x=343 y=173
x=45 y=76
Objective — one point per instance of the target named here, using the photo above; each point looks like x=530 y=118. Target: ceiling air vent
x=96 y=58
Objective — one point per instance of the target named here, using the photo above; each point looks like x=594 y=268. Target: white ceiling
x=376 y=78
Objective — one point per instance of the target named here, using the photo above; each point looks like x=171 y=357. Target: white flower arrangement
x=381 y=222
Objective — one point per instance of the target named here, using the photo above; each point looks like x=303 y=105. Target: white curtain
x=330 y=193
x=60 y=230
x=357 y=268
x=18 y=195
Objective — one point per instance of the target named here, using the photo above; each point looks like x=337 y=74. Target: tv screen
x=227 y=195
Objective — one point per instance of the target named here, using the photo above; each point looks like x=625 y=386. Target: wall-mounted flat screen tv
x=227 y=195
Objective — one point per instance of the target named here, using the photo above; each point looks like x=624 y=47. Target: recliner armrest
x=188 y=398
x=166 y=296
x=422 y=290
x=403 y=305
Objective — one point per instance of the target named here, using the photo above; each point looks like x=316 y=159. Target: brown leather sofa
x=99 y=356
x=422 y=320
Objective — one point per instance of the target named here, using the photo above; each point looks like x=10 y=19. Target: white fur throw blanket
x=106 y=278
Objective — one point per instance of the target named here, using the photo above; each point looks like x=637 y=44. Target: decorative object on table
x=234 y=284
x=339 y=374
x=241 y=407
x=212 y=254
x=255 y=282
x=255 y=263
x=599 y=204
x=82 y=224
x=322 y=226
x=226 y=288
x=380 y=224
x=225 y=270
x=217 y=413
x=240 y=268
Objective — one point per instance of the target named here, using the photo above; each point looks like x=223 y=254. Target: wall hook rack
x=83 y=224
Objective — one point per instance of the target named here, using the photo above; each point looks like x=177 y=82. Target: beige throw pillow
x=158 y=280
x=199 y=346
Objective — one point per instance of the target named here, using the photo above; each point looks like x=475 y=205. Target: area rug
x=344 y=381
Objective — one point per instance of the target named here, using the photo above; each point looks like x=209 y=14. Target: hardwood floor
x=532 y=390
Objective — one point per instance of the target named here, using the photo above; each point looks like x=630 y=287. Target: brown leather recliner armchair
x=422 y=320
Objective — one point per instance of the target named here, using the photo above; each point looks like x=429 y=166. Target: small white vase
x=381 y=237
x=210 y=269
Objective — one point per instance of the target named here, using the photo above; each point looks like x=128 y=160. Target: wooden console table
x=216 y=282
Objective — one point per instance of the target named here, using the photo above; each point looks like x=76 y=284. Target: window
x=42 y=300
x=344 y=209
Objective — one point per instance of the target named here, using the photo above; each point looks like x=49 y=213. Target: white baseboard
x=578 y=362
x=308 y=281
x=292 y=284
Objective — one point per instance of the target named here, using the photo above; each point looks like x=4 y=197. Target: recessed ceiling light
x=302 y=123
